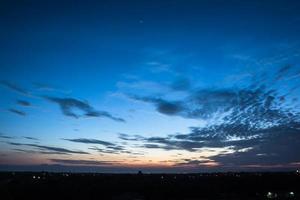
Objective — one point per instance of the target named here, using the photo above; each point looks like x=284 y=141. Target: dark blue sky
x=170 y=85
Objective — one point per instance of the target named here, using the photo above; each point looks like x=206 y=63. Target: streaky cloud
x=58 y=150
x=39 y=152
x=68 y=104
x=108 y=147
x=23 y=103
x=81 y=162
x=50 y=88
x=90 y=141
x=18 y=112
x=283 y=71
x=14 y=87
x=30 y=138
x=6 y=136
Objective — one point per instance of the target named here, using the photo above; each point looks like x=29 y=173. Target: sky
x=158 y=86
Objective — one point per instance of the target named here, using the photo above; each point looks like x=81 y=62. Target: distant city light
x=271 y=195
x=291 y=194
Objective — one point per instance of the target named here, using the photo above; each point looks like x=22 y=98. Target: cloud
x=57 y=150
x=196 y=163
x=258 y=121
x=259 y=99
x=40 y=152
x=67 y=106
x=14 y=87
x=105 y=150
x=18 y=112
x=90 y=141
x=108 y=147
x=24 y=150
x=104 y=114
x=162 y=106
x=280 y=147
x=115 y=150
x=159 y=67
x=15 y=143
x=23 y=103
x=6 y=136
x=30 y=138
x=141 y=85
x=283 y=71
x=48 y=87
x=81 y=162
x=127 y=137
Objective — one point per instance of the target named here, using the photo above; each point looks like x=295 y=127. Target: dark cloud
x=5 y=136
x=124 y=136
x=282 y=72
x=67 y=106
x=40 y=152
x=162 y=106
x=30 y=138
x=14 y=87
x=90 y=141
x=280 y=147
x=24 y=150
x=57 y=150
x=166 y=143
x=258 y=100
x=81 y=162
x=18 y=112
x=23 y=103
x=116 y=149
x=108 y=147
x=15 y=143
x=104 y=150
x=103 y=114
x=253 y=120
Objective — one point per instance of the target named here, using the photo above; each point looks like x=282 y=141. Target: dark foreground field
x=149 y=186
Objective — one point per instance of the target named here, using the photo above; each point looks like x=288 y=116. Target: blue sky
x=172 y=85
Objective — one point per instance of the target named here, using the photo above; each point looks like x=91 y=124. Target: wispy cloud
x=68 y=104
x=104 y=150
x=124 y=136
x=117 y=149
x=39 y=152
x=50 y=88
x=159 y=67
x=90 y=141
x=23 y=103
x=14 y=87
x=6 y=136
x=30 y=138
x=57 y=150
x=18 y=112
x=108 y=147
x=283 y=71
x=81 y=162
